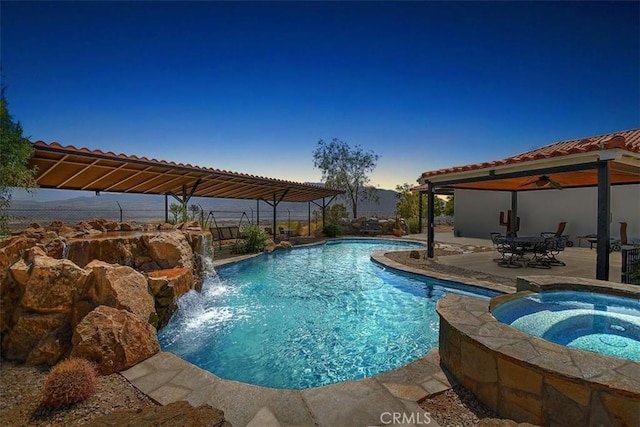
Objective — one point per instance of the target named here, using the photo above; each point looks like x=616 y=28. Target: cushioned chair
x=563 y=239
x=616 y=245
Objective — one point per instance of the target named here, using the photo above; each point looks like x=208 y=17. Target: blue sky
x=251 y=87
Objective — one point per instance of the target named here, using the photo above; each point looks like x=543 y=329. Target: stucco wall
x=477 y=213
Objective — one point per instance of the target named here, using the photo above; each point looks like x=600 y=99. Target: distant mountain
x=142 y=207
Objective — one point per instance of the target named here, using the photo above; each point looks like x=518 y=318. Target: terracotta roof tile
x=628 y=140
x=71 y=149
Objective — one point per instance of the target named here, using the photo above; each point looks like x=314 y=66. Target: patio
x=581 y=261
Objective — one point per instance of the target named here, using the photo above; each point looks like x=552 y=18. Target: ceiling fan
x=542 y=181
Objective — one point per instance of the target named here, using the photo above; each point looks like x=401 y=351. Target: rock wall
x=96 y=290
x=528 y=379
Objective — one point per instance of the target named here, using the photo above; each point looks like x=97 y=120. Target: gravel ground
x=20 y=385
x=20 y=398
x=457 y=407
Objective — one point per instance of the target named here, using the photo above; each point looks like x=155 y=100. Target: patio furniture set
x=529 y=251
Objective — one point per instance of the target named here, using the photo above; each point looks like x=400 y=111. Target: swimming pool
x=601 y=323
x=310 y=316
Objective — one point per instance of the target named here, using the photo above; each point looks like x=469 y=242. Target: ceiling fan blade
x=529 y=182
x=555 y=184
x=542 y=181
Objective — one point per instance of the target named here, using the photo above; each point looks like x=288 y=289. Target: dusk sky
x=251 y=87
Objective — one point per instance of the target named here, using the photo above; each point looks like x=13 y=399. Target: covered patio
x=601 y=161
x=71 y=168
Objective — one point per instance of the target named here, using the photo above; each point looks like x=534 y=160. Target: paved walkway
x=369 y=402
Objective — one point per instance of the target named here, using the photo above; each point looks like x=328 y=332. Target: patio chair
x=498 y=245
x=510 y=255
x=616 y=245
x=559 y=234
x=541 y=254
x=554 y=247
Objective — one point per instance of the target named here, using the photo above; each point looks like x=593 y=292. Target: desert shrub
x=332 y=230
x=69 y=382
x=254 y=239
x=413 y=225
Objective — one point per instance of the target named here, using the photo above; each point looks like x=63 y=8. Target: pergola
x=599 y=161
x=71 y=168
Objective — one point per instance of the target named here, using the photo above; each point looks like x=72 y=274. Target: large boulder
x=32 y=332
x=170 y=249
x=114 y=339
x=119 y=287
x=11 y=250
x=167 y=286
x=50 y=285
x=115 y=249
x=176 y=414
x=52 y=347
x=37 y=301
x=272 y=246
x=60 y=228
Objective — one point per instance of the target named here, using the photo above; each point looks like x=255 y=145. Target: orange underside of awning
x=589 y=178
x=70 y=168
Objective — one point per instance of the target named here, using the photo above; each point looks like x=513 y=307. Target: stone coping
x=556 y=283
x=166 y=378
x=529 y=379
x=380 y=258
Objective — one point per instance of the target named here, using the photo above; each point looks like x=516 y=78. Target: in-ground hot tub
x=531 y=379
x=605 y=324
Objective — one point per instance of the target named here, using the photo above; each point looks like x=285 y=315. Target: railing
x=630 y=265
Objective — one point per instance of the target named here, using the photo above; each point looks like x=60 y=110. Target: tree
x=408 y=206
x=408 y=202
x=346 y=168
x=449 y=206
x=181 y=213
x=15 y=152
x=334 y=213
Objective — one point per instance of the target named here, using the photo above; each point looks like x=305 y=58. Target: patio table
x=519 y=247
x=591 y=238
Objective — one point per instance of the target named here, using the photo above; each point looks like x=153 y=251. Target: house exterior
x=477 y=213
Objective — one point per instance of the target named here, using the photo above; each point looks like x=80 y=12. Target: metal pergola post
x=513 y=224
x=430 y=220
x=166 y=208
x=309 y=218
x=420 y=212
x=604 y=227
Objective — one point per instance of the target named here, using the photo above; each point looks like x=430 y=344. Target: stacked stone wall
x=532 y=380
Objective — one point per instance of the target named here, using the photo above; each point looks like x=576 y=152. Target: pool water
x=595 y=322
x=309 y=316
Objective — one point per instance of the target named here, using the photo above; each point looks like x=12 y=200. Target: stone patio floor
x=368 y=402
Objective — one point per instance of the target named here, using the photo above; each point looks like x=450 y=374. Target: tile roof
x=67 y=167
x=628 y=140
x=121 y=156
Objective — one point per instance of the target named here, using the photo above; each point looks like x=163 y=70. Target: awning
x=570 y=164
x=600 y=161
x=71 y=168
